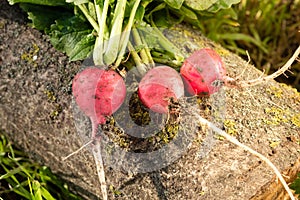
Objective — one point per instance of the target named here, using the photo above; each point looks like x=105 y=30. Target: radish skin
x=98 y=92
x=158 y=86
x=203 y=72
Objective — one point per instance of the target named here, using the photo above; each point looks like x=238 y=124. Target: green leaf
x=296 y=185
x=43 y=17
x=40 y=2
x=210 y=5
x=77 y=2
x=175 y=3
x=46 y=194
x=72 y=36
x=222 y=4
x=200 y=5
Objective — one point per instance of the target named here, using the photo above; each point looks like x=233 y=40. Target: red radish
x=203 y=72
x=158 y=86
x=98 y=92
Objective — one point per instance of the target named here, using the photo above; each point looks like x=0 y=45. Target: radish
x=203 y=72
x=98 y=93
x=158 y=86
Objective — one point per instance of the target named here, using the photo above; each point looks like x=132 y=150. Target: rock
x=36 y=114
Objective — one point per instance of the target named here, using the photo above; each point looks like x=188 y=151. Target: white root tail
x=236 y=142
x=100 y=168
x=283 y=69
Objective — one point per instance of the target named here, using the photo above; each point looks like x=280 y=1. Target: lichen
x=276 y=91
x=56 y=111
x=115 y=191
x=31 y=56
x=50 y=95
x=230 y=127
x=295 y=119
x=274 y=143
x=277 y=115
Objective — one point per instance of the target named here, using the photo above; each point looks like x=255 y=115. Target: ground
x=36 y=113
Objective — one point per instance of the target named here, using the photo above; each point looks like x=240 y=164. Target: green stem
x=151 y=61
x=98 y=11
x=139 y=64
x=98 y=49
x=167 y=45
x=138 y=42
x=89 y=17
x=172 y=63
x=115 y=34
x=126 y=33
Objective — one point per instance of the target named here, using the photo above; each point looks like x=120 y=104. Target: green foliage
x=40 y=2
x=268 y=30
x=43 y=17
x=296 y=185
x=22 y=178
x=73 y=36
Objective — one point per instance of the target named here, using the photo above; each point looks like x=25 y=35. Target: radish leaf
x=72 y=36
x=43 y=16
x=40 y=2
x=175 y=3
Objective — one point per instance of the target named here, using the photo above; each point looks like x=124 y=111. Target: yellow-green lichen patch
x=50 y=95
x=295 y=119
x=230 y=127
x=115 y=191
x=277 y=115
x=274 y=143
x=55 y=112
x=31 y=56
x=293 y=91
x=276 y=91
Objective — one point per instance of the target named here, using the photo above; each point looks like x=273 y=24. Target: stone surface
x=36 y=114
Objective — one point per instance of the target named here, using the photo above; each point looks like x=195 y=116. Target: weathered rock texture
x=36 y=114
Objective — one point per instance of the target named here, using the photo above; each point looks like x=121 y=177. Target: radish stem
x=114 y=41
x=126 y=33
x=89 y=18
x=98 y=48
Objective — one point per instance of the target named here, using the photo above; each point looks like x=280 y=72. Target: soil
x=36 y=114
